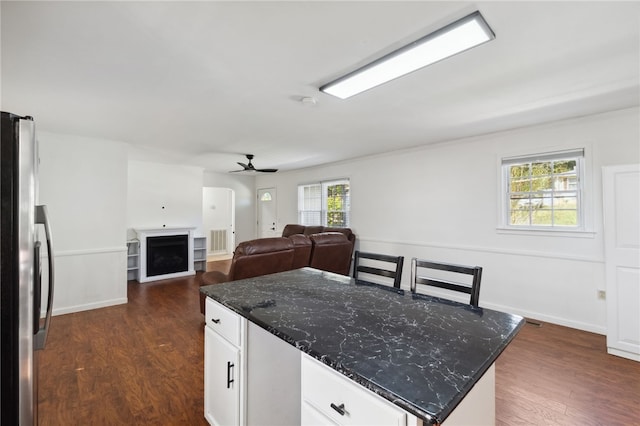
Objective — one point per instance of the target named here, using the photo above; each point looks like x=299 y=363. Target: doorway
x=218 y=218
x=267 y=213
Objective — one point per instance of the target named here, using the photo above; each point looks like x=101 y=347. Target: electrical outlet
x=602 y=295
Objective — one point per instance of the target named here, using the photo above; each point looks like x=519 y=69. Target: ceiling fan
x=250 y=168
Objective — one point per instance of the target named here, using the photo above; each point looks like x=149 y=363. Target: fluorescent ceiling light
x=468 y=32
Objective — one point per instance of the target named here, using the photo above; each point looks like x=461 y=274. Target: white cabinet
x=200 y=253
x=330 y=398
x=250 y=376
x=223 y=365
x=133 y=259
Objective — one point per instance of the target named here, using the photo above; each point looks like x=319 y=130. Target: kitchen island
x=418 y=354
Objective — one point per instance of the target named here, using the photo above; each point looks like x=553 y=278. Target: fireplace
x=165 y=253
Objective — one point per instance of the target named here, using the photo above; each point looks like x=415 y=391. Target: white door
x=221 y=380
x=267 y=217
x=621 y=200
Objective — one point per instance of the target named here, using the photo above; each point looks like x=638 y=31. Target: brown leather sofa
x=329 y=251
x=293 y=229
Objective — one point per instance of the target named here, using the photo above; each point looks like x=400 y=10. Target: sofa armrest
x=214 y=277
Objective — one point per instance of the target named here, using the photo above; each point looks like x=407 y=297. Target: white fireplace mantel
x=144 y=233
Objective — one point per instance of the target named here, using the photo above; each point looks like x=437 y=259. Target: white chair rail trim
x=509 y=252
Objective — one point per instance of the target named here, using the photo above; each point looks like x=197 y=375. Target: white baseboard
x=89 y=306
x=592 y=328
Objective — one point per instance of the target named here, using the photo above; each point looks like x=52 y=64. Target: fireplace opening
x=167 y=254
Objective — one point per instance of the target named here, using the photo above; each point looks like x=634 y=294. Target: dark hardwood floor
x=553 y=375
x=142 y=364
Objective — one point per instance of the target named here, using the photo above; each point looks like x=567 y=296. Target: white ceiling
x=206 y=82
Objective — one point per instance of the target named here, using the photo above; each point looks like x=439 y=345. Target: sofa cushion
x=292 y=229
x=346 y=231
x=301 y=250
x=261 y=257
x=331 y=251
x=263 y=245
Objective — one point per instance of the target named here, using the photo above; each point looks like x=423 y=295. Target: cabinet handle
x=339 y=408
x=217 y=321
x=229 y=373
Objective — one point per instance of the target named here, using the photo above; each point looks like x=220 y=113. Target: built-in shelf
x=133 y=259
x=200 y=253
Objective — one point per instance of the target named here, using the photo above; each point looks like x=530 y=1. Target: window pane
x=541 y=184
x=565 y=201
x=565 y=218
x=565 y=182
x=520 y=217
x=312 y=197
x=520 y=184
x=266 y=197
x=544 y=203
x=336 y=219
x=520 y=202
x=541 y=218
x=310 y=218
x=564 y=166
x=520 y=178
x=541 y=169
x=337 y=203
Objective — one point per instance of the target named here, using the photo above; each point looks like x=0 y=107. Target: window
x=324 y=203
x=544 y=191
x=266 y=197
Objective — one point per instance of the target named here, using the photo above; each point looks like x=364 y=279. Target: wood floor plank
x=142 y=364
x=567 y=367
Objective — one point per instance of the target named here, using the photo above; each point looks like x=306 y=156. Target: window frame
x=323 y=212
x=580 y=154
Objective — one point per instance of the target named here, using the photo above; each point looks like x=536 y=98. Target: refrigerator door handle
x=40 y=337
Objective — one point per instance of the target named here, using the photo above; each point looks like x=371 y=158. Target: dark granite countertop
x=422 y=353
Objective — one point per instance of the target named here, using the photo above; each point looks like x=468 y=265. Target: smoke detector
x=308 y=100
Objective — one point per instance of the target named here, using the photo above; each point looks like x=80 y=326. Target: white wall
x=164 y=195
x=441 y=202
x=245 y=196
x=83 y=182
x=97 y=190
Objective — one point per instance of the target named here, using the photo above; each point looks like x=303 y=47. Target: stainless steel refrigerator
x=23 y=325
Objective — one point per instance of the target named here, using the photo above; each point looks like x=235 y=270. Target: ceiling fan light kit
x=461 y=35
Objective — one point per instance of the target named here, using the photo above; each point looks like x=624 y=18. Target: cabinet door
x=221 y=380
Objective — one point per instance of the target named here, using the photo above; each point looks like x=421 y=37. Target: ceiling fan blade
x=267 y=170
x=244 y=166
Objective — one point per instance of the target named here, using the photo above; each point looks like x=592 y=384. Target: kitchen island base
x=253 y=377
